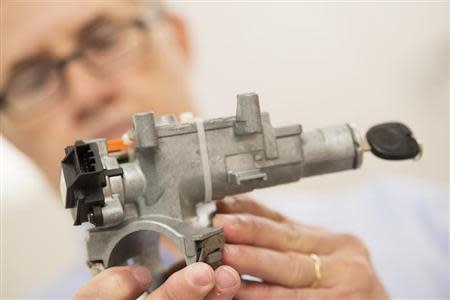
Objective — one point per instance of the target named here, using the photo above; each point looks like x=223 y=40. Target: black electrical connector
x=85 y=179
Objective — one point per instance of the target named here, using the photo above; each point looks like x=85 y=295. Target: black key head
x=393 y=141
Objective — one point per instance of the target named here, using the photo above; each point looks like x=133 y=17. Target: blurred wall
x=315 y=63
x=327 y=63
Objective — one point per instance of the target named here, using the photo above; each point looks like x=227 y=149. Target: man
x=78 y=71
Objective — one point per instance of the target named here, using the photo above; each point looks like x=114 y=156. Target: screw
x=258 y=156
x=91 y=217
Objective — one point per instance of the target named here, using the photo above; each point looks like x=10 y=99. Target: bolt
x=258 y=156
x=91 y=217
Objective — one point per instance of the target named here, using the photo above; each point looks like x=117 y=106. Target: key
x=393 y=141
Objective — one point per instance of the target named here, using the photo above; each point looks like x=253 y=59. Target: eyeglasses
x=105 y=48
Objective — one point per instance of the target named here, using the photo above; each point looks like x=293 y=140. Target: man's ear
x=181 y=35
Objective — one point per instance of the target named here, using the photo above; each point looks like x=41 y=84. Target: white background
x=317 y=64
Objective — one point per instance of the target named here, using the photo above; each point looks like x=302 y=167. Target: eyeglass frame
x=60 y=64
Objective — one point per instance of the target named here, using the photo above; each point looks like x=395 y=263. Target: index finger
x=245 y=204
x=262 y=232
x=191 y=283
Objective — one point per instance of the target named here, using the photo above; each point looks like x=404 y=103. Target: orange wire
x=116 y=145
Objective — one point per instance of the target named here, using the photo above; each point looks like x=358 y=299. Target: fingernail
x=142 y=275
x=226 y=278
x=229 y=250
x=220 y=220
x=229 y=200
x=199 y=274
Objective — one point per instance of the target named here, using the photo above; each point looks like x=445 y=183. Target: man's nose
x=89 y=91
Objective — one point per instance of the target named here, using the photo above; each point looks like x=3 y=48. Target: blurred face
x=79 y=69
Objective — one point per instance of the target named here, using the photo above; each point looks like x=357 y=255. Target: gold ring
x=317 y=268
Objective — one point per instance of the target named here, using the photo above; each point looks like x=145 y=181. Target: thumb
x=191 y=283
x=117 y=283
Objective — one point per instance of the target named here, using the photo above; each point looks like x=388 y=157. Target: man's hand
x=195 y=282
x=268 y=245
